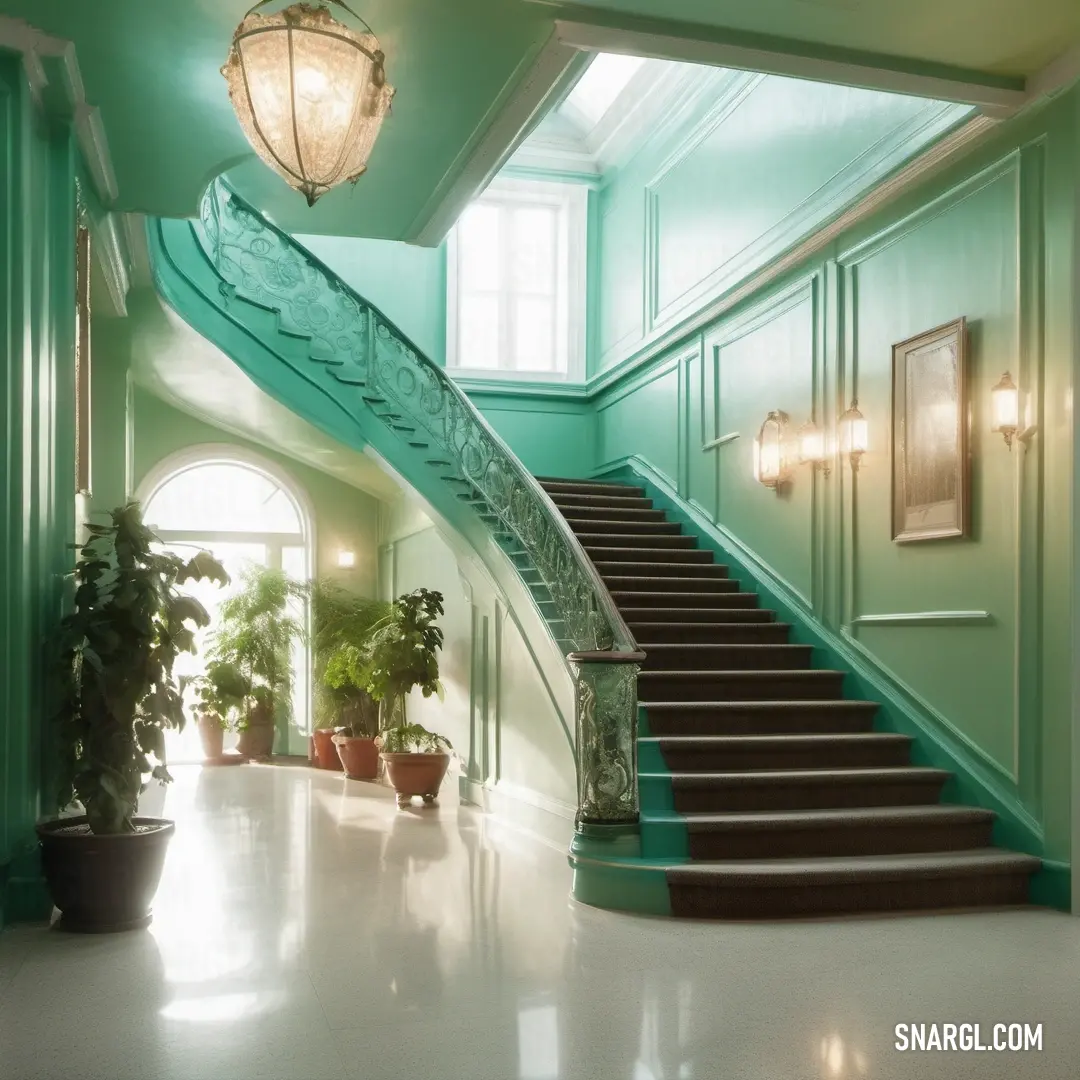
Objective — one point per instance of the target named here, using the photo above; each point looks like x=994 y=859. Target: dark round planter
x=103 y=884
x=416 y=774
x=359 y=757
x=326 y=755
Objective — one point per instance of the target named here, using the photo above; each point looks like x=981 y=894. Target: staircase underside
x=764 y=792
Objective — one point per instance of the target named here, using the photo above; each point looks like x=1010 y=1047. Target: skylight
x=604 y=80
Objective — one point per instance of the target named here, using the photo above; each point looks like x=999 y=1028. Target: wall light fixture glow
x=1005 y=409
x=346 y=559
x=854 y=435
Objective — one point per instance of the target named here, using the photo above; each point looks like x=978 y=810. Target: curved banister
x=379 y=372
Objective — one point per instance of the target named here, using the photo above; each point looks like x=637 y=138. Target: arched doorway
x=247 y=511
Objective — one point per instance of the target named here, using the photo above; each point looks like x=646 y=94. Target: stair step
x=640 y=544
x=631 y=527
x=682 y=616
x=800 y=789
x=713 y=656
x=709 y=633
x=588 y=487
x=874 y=830
x=630 y=516
x=705 y=685
x=621 y=577
x=648 y=556
x=667 y=718
x=602 y=502
x=635 y=598
x=790 y=887
x=734 y=753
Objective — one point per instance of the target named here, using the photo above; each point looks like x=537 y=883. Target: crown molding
x=52 y=70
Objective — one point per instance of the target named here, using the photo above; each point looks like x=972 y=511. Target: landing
x=304 y=933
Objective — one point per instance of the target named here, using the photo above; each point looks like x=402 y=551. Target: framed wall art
x=931 y=486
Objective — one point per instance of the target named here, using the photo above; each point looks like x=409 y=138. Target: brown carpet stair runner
x=791 y=803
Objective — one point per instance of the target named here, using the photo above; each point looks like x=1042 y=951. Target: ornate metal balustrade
x=365 y=351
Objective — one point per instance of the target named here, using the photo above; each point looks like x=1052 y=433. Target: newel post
x=605 y=686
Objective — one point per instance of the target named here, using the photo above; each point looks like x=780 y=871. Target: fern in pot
x=346 y=716
x=401 y=654
x=117 y=697
x=255 y=639
x=220 y=694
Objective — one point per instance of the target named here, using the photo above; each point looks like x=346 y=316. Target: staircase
x=778 y=789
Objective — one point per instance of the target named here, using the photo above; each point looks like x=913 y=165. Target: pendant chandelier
x=309 y=92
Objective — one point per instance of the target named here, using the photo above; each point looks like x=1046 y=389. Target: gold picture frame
x=931 y=481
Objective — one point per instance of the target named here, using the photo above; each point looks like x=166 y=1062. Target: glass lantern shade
x=1005 y=408
x=770 y=452
x=310 y=94
x=854 y=434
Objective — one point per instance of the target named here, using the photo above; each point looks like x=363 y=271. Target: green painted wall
x=715 y=193
x=992 y=239
x=37 y=307
x=344 y=516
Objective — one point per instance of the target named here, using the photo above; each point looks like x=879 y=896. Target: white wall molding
x=535 y=86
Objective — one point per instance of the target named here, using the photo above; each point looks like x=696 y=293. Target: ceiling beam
x=714 y=47
x=532 y=89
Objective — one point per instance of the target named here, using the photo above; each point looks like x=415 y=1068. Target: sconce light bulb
x=1005 y=408
x=346 y=559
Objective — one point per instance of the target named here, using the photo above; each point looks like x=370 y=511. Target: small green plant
x=220 y=692
x=251 y=649
x=411 y=739
x=342 y=623
x=118 y=646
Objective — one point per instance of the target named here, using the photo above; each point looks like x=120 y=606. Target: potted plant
x=416 y=761
x=346 y=720
x=400 y=654
x=117 y=697
x=219 y=699
x=255 y=638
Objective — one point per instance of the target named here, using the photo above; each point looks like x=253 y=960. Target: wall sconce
x=772 y=466
x=854 y=435
x=812 y=449
x=346 y=559
x=1005 y=409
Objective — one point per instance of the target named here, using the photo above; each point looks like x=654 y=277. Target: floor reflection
x=307 y=929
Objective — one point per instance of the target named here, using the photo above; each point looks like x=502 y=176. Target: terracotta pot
x=103 y=884
x=359 y=757
x=326 y=755
x=416 y=774
x=257 y=739
x=212 y=736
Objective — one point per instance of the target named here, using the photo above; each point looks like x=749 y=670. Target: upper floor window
x=516 y=282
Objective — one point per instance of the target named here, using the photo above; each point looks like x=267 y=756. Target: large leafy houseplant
x=400 y=653
x=118 y=646
x=342 y=622
x=251 y=649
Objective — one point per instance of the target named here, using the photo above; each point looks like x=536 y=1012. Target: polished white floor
x=307 y=930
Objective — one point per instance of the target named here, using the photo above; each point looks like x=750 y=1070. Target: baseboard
x=973 y=782
x=539 y=816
